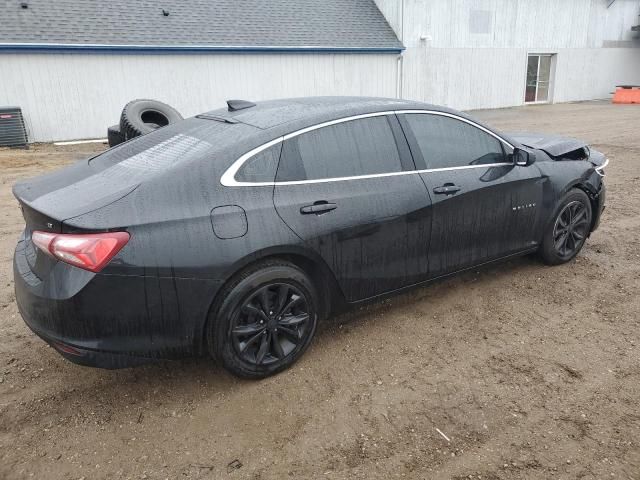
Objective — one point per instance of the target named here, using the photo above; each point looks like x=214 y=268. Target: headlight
x=600 y=168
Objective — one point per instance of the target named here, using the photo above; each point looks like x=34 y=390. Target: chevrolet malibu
x=233 y=233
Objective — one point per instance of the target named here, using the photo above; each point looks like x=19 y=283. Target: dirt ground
x=511 y=372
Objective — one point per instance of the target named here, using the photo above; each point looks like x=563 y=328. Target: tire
x=114 y=137
x=140 y=117
x=244 y=319
x=574 y=211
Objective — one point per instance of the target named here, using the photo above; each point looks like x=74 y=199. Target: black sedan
x=235 y=232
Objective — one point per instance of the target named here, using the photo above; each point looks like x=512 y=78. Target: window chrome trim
x=228 y=177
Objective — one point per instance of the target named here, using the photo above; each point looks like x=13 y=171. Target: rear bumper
x=112 y=321
x=86 y=357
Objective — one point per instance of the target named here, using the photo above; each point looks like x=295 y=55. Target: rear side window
x=261 y=167
x=447 y=142
x=349 y=149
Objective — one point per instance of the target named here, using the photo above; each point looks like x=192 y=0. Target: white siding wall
x=474 y=52
x=72 y=96
x=473 y=55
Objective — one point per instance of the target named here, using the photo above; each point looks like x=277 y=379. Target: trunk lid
x=47 y=201
x=92 y=184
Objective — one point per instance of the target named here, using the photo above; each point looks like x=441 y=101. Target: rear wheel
x=265 y=320
x=566 y=234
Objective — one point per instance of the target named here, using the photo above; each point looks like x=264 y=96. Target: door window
x=446 y=142
x=353 y=148
x=538 y=74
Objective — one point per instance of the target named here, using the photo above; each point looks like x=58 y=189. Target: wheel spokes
x=258 y=312
x=295 y=300
x=294 y=320
x=290 y=333
x=243 y=346
x=277 y=346
x=572 y=241
x=249 y=329
x=283 y=296
x=271 y=324
x=559 y=232
x=560 y=243
x=561 y=221
x=264 y=347
x=263 y=298
x=580 y=217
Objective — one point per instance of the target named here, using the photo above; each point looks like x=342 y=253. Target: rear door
x=347 y=189
x=484 y=206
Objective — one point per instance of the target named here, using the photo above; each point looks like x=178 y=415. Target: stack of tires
x=140 y=117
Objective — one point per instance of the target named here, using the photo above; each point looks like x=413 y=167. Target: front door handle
x=321 y=206
x=446 y=189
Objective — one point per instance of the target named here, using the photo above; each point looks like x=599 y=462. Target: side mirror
x=522 y=157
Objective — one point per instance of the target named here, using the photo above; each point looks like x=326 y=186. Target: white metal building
x=471 y=54
x=72 y=64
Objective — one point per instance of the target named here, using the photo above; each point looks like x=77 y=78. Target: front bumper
x=600 y=201
x=112 y=321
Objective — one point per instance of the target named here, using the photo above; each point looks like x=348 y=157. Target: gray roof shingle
x=340 y=24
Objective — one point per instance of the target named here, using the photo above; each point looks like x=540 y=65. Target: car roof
x=292 y=113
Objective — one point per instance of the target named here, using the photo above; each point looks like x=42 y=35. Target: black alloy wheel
x=568 y=230
x=264 y=319
x=270 y=324
x=571 y=229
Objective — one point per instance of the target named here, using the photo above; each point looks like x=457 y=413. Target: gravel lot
x=528 y=371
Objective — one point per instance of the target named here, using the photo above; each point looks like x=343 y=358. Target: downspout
x=400 y=64
x=399 y=78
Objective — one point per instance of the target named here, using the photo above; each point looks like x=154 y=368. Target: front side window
x=447 y=142
x=349 y=149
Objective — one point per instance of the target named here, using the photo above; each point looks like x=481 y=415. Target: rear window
x=177 y=137
x=354 y=148
x=172 y=145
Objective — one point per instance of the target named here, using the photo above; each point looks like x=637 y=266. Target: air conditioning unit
x=12 y=131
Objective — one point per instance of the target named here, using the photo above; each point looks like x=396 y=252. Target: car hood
x=551 y=144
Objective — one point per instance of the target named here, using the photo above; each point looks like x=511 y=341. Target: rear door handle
x=446 y=189
x=321 y=206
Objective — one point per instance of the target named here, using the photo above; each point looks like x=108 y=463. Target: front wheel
x=566 y=234
x=265 y=321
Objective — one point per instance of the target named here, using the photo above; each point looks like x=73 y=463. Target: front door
x=484 y=206
x=342 y=189
x=538 y=78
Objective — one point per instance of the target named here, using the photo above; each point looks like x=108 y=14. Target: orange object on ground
x=627 y=94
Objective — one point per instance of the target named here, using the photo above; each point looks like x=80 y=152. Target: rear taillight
x=91 y=251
